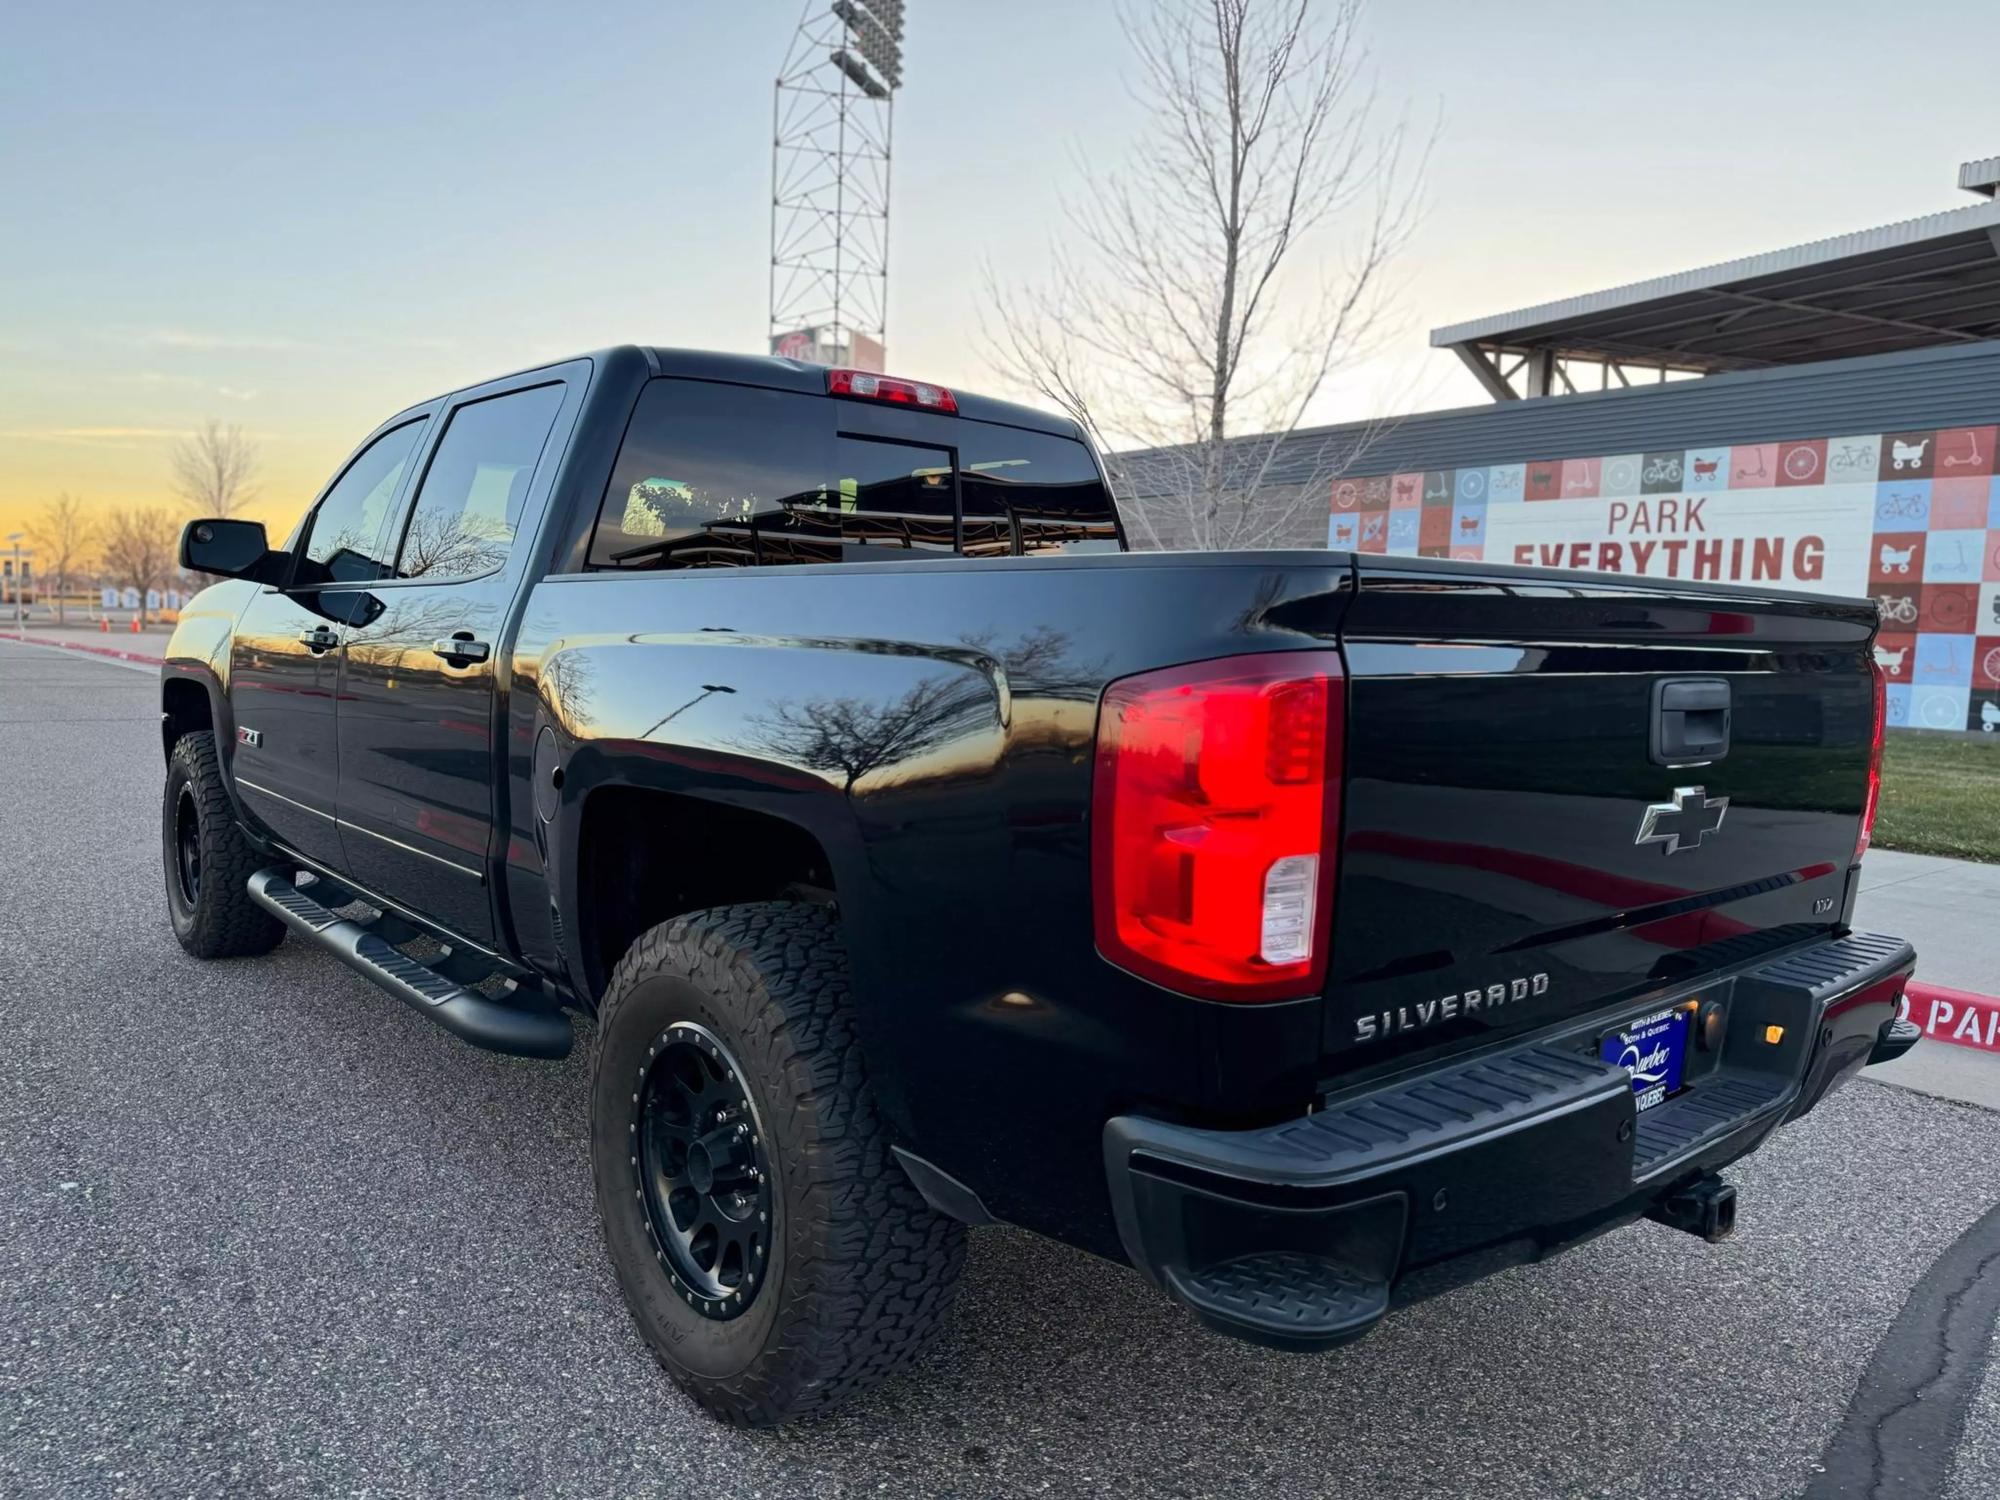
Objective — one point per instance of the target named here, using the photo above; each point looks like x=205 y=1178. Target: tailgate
x=1518 y=846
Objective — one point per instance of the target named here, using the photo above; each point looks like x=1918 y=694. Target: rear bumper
x=1304 y=1234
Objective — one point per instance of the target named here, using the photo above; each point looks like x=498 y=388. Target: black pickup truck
x=1314 y=932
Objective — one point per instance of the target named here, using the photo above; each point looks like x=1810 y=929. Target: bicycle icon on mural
x=1662 y=470
x=1898 y=609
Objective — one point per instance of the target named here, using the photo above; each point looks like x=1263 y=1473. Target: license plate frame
x=1653 y=1050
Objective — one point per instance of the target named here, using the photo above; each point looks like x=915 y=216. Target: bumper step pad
x=1683 y=1125
x=446 y=989
x=1283 y=1299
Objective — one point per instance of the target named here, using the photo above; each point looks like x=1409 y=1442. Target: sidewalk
x=1950 y=909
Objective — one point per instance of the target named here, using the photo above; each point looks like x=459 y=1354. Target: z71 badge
x=1473 y=1002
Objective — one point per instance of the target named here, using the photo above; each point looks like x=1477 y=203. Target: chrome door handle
x=462 y=651
x=319 y=639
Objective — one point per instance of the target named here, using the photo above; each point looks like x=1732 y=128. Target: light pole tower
x=831 y=116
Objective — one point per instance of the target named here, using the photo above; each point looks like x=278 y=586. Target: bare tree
x=1210 y=286
x=215 y=469
x=62 y=535
x=140 y=544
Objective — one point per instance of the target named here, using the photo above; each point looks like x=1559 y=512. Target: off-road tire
x=221 y=921
x=862 y=1269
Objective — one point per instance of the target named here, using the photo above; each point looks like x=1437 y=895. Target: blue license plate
x=1653 y=1049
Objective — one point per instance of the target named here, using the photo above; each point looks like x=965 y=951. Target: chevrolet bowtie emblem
x=1684 y=822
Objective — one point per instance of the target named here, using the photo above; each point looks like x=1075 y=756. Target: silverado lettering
x=1468 y=1003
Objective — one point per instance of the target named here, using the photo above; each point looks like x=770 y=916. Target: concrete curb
x=113 y=652
x=1959 y=1017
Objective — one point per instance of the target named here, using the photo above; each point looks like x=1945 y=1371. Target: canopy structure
x=1922 y=283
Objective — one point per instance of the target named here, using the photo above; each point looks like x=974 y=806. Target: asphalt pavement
x=264 y=1231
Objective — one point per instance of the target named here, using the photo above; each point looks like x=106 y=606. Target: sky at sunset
x=300 y=218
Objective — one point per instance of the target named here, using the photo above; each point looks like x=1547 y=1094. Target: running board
x=441 y=990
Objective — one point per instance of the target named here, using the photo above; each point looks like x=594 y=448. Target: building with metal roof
x=1918 y=284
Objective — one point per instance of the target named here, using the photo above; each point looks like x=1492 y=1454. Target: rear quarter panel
x=932 y=726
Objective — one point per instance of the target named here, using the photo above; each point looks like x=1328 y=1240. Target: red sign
x=1956 y=1016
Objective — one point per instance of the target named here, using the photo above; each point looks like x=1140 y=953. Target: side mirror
x=232 y=549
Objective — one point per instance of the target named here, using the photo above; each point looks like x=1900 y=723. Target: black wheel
x=208 y=860
x=773 y=1253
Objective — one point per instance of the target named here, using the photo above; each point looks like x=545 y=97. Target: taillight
x=1214 y=815
x=864 y=386
x=1874 y=761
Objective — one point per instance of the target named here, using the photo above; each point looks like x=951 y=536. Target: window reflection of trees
x=440 y=545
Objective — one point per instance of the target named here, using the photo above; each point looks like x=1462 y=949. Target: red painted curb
x=42 y=640
x=1956 y=1016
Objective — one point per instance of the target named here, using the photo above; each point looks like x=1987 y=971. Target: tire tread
x=872 y=1278
x=227 y=923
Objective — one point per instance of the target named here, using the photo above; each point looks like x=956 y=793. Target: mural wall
x=1912 y=518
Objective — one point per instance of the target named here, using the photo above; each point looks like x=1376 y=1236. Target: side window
x=716 y=475
x=344 y=533
x=701 y=464
x=469 y=504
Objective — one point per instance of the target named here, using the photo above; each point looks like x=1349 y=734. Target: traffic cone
x=135 y=624
x=104 y=624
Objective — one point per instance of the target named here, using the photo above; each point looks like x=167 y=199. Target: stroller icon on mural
x=1897 y=559
x=1908 y=455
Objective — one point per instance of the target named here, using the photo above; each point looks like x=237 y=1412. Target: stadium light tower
x=834 y=106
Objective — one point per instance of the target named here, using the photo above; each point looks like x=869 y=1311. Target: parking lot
x=268 y=1232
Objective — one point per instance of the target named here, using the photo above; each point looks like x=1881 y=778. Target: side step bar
x=370 y=953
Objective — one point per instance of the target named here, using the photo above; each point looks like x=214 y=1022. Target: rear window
x=732 y=476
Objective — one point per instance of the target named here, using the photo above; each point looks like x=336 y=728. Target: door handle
x=462 y=650
x=319 y=639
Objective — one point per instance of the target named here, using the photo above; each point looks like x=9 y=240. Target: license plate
x=1653 y=1049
